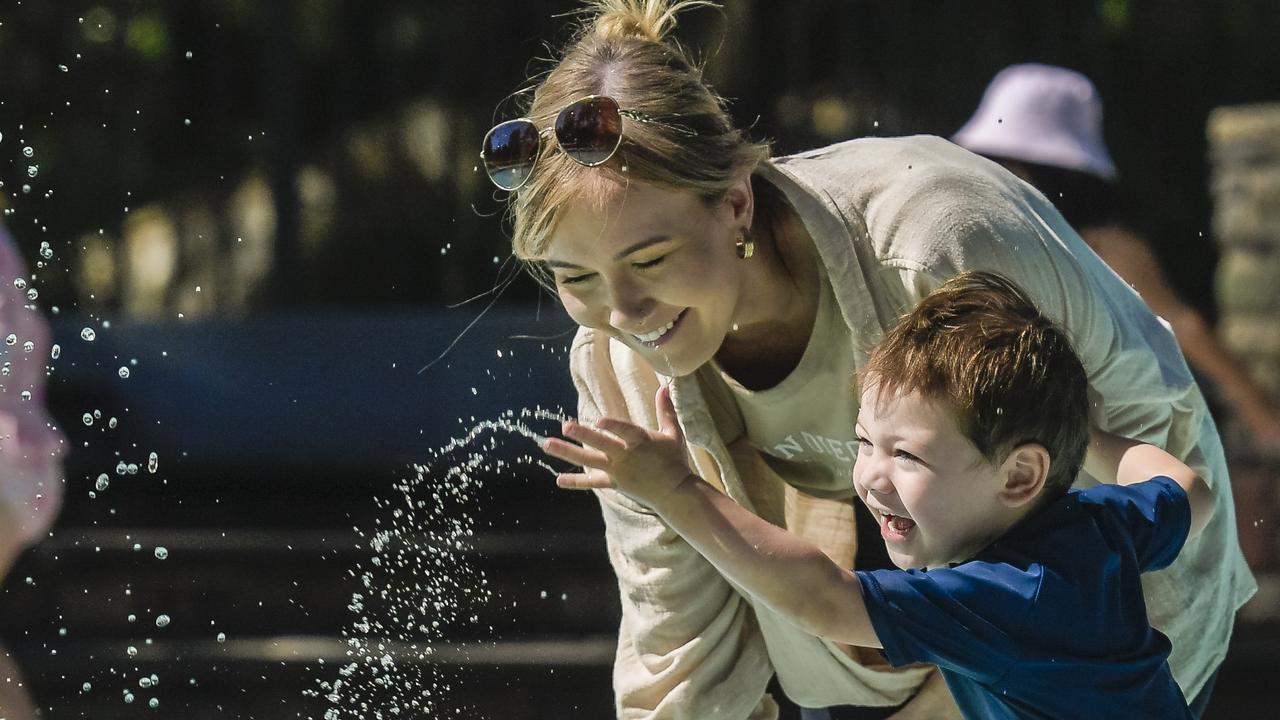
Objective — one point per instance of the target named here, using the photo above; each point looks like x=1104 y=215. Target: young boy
x=973 y=425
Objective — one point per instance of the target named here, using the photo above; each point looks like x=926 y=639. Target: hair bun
x=649 y=20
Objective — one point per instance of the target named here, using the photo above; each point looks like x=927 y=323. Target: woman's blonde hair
x=623 y=50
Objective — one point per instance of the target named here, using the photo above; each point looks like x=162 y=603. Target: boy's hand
x=642 y=464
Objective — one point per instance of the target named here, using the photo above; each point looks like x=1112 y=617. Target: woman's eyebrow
x=642 y=245
x=648 y=242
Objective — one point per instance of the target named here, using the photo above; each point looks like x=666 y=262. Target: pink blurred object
x=1040 y=114
x=31 y=446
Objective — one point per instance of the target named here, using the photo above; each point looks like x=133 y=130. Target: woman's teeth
x=653 y=336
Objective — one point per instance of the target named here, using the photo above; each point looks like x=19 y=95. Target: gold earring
x=745 y=246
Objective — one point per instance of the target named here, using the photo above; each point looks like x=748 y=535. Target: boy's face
x=935 y=496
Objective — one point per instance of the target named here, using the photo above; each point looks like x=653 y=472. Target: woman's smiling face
x=655 y=268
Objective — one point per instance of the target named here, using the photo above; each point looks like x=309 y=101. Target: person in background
x=1044 y=123
x=31 y=446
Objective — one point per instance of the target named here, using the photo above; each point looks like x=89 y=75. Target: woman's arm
x=688 y=646
x=1119 y=460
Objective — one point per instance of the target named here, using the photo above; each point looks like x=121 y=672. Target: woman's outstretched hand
x=642 y=464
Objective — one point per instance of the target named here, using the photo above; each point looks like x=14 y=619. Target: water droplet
x=103 y=482
x=32 y=294
x=134 y=618
x=162 y=621
x=20 y=283
x=112 y=423
x=222 y=637
x=124 y=372
x=153 y=463
x=128 y=697
x=88 y=419
x=144 y=682
x=88 y=335
x=28 y=346
x=11 y=339
x=86 y=687
x=46 y=252
x=55 y=352
x=131 y=651
x=162 y=553
x=28 y=151
x=153 y=703
x=33 y=170
x=26 y=395
x=64 y=68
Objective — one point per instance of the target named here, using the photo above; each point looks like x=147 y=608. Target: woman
x=755 y=287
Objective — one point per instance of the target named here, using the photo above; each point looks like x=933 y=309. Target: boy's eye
x=905 y=456
x=864 y=445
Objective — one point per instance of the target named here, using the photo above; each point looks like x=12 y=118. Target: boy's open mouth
x=895 y=528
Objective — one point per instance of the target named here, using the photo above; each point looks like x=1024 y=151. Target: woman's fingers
x=583 y=481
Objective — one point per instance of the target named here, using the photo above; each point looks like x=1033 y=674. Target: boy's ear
x=1024 y=471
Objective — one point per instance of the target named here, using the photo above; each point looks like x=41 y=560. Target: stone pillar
x=1244 y=147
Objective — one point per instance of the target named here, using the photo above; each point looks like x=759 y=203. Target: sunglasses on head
x=589 y=131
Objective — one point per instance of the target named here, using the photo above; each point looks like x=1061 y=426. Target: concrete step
x=85 y=583
x=275 y=677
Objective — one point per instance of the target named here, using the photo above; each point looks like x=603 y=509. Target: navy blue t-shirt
x=1048 y=621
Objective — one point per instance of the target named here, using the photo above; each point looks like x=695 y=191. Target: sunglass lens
x=590 y=130
x=509 y=152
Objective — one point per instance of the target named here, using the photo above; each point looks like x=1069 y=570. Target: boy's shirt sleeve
x=1155 y=513
x=962 y=618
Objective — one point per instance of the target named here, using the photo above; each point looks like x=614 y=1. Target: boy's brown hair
x=978 y=346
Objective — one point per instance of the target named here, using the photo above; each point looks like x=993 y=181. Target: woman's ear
x=1024 y=472
x=739 y=201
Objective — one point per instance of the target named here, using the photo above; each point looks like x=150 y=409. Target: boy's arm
x=780 y=569
x=1119 y=460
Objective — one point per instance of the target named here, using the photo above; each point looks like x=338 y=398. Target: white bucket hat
x=1040 y=114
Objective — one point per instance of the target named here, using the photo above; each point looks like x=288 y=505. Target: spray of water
x=420 y=588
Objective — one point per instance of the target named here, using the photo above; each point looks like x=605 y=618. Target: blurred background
x=299 y=286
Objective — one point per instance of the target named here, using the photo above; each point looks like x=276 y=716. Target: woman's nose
x=628 y=308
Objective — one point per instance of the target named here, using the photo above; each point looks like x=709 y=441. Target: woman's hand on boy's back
x=643 y=464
